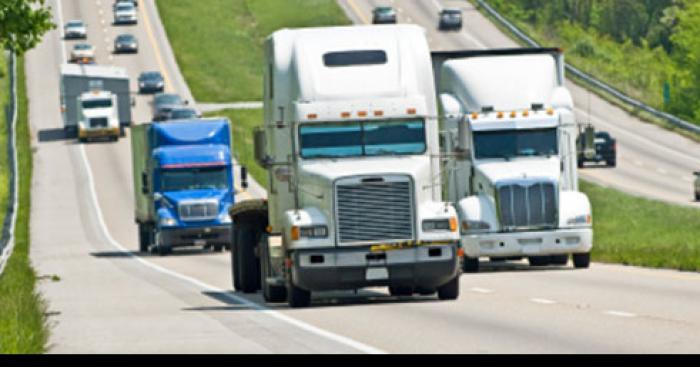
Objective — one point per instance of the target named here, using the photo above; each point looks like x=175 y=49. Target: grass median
x=4 y=166
x=23 y=327
x=218 y=44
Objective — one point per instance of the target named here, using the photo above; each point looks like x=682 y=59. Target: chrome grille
x=198 y=211
x=528 y=206
x=373 y=210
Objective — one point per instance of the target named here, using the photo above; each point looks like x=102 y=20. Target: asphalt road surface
x=110 y=298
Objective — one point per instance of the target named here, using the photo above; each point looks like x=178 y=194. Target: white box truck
x=96 y=101
x=510 y=132
x=350 y=143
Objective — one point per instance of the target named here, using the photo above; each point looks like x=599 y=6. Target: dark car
x=383 y=15
x=182 y=113
x=450 y=19
x=126 y=43
x=151 y=82
x=605 y=149
x=164 y=103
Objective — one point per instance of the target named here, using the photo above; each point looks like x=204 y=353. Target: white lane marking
x=638 y=163
x=620 y=314
x=111 y=57
x=100 y=11
x=661 y=171
x=436 y=3
x=542 y=301
x=260 y=308
x=103 y=23
x=59 y=15
x=481 y=290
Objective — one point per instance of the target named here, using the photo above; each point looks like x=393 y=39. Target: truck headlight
x=309 y=232
x=224 y=217
x=168 y=222
x=581 y=220
x=440 y=225
x=475 y=225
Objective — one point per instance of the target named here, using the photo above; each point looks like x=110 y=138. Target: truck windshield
x=97 y=103
x=209 y=178
x=509 y=144
x=362 y=138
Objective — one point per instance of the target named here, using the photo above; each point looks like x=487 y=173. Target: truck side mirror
x=244 y=177
x=144 y=183
x=260 y=147
x=157 y=196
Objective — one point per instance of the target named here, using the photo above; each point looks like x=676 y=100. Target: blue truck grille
x=198 y=211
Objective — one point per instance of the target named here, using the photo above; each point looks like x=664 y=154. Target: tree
x=23 y=23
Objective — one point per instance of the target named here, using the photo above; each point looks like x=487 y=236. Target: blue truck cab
x=183 y=184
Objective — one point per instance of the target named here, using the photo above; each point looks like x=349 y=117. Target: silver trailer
x=78 y=79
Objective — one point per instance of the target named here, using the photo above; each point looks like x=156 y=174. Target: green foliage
x=634 y=45
x=219 y=43
x=23 y=327
x=23 y=23
x=636 y=231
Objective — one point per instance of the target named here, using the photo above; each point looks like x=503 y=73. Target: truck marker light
x=499 y=115
x=513 y=114
x=526 y=113
x=378 y=113
x=268 y=229
x=345 y=115
x=460 y=252
x=411 y=111
x=296 y=234
x=312 y=116
x=362 y=113
x=550 y=111
x=475 y=116
x=453 y=224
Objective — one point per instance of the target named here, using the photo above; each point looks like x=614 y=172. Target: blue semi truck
x=183 y=184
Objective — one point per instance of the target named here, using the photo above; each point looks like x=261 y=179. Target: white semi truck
x=351 y=145
x=510 y=132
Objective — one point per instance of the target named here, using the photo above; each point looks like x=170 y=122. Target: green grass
x=218 y=44
x=4 y=166
x=635 y=231
x=23 y=327
x=243 y=122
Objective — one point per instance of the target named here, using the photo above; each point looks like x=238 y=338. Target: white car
x=697 y=186
x=124 y=13
x=83 y=53
x=75 y=29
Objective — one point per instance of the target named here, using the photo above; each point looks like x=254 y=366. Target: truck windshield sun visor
x=354 y=139
x=354 y=58
x=515 y=143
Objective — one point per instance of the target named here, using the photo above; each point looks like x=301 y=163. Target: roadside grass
x=631 y=230
x=243 y=122
x=4 y=167
x=23 y=324
x=218 y=44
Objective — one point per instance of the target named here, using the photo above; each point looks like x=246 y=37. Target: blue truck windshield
x=509 y=144
x=363 y=138
x=209 y=178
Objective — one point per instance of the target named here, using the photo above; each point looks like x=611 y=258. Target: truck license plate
x=377 y=274
x=200 y=242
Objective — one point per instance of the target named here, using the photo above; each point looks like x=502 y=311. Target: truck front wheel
x=449 y=291
x=582 y=261
x=145 y=237
x=249 y=267
x=470 y=264
x=297 y=297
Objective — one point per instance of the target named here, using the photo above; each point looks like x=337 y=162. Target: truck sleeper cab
x=350 y=143
x=184 y=184
x=512 y=139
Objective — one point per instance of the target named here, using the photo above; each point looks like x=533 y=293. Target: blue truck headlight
x=224 y=217
x=168 y=222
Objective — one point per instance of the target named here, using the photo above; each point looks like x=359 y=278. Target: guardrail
x=7 y=242
x=590 y=80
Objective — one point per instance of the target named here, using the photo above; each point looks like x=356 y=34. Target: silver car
x=126 y=43
x=75 y=29
x=125 y=13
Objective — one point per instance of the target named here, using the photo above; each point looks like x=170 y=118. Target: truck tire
x=582 y=261
x=235 y=268
x=697 y=196
x=249 y=275
x=612 y=163
x=538 y=260
x=145 y=237
x=560 y=260
x=449 y=291
x=400 y=291
x=470 y=264
x=159 y=247
x=297 y=297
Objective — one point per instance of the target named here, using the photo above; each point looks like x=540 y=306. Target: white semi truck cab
x=351 y=146
x=98 y=115
x=510 y=133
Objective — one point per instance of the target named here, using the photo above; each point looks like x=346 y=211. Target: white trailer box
x=78 y=79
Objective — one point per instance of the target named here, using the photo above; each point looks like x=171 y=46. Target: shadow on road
x=507 y=266
x=53 y=135
x=176 y=252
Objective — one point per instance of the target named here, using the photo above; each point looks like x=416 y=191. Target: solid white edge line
x=542 y=301
x=272 y=313
x=620 y=314
x=7 y=252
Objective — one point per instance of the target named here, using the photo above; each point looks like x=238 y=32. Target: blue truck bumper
x=200 y=236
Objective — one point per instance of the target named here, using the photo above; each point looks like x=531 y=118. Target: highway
x=112 y=299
